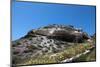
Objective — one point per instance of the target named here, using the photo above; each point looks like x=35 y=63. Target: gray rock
x=48 y=39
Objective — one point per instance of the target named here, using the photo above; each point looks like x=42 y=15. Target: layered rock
x=46 y=40
x=67 y=33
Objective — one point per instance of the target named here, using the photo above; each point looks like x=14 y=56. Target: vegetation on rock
x=53 y=44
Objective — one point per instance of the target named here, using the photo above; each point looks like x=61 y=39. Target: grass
x=58 y=57
x=88 y=57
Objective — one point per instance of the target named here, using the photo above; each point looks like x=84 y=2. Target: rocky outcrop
x=67 y=33
x=46 y=40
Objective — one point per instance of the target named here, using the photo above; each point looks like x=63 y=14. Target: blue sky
x=29 y=15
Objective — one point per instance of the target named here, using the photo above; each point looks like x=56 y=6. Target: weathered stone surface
x=48 y=39
x=69 y=33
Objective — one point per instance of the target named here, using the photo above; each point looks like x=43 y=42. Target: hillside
x=53 y=44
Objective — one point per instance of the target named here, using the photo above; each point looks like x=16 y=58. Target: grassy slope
x=88 y=57
x=57 y=57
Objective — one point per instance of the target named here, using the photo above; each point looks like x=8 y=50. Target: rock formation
x=46 y=40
